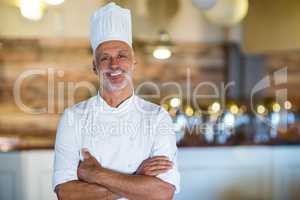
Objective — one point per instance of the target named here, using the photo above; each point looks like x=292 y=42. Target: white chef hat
x=110 y=22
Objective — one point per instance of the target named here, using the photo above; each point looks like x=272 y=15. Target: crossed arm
x=79 y=190
x=96 y=182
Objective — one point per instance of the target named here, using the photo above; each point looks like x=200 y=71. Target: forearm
x=135 y=187
x=78 y=190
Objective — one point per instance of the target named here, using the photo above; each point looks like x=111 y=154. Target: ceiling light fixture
x=227 y=12
x=204 y=4
x=31 y=9
x=163 y=51
x=54 y=2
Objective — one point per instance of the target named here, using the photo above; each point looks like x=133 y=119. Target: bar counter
x=233 y=172
x=28 y=142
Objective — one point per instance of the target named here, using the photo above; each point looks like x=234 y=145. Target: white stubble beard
x=107 y=85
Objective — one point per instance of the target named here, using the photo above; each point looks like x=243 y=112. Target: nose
x=114 y=63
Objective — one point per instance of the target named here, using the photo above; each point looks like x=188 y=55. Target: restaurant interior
x=225 y=70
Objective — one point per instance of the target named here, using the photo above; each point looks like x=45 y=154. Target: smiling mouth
x=114 y=74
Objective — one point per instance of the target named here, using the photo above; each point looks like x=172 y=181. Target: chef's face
x=114 y=63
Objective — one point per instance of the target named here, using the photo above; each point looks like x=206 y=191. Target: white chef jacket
x=119 y=138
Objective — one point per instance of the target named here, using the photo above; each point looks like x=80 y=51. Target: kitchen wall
x=71 y=20
x=271 y=26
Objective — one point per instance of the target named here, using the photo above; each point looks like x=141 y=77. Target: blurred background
x=239 y=139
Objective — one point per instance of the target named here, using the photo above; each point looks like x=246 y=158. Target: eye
x=123 y=56
x=103 y=59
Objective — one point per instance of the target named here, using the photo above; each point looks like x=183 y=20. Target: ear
x=95 y=67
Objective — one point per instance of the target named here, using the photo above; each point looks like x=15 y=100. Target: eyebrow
x=106 y=54
x=123 y=51
x=103 y=54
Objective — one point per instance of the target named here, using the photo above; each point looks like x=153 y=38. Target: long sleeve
x=165 y=144
x=67 y=150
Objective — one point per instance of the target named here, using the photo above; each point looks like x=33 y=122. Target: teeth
x=115 y=73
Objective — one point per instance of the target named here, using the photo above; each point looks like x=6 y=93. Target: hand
x=154 y=166
x=88 y=168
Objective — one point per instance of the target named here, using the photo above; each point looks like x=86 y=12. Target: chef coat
x=119 y=138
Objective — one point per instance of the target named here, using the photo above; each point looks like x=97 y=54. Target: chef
x=115 y=145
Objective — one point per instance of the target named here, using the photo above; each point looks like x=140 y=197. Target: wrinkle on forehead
x=114 y=46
